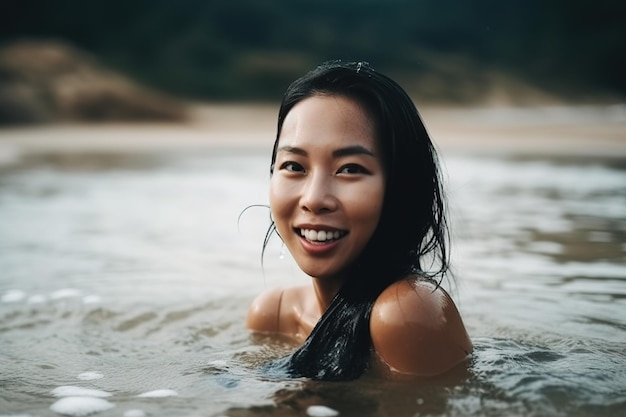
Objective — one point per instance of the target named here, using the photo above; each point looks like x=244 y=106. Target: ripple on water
x=136 y=321
x=577 y=374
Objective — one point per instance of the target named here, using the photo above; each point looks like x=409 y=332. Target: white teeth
x=320 y=235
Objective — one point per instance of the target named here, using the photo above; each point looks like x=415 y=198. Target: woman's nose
x=318 y=195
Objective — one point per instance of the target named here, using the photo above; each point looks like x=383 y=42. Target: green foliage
x=248 y=49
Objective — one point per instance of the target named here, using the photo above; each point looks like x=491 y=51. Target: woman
x=356 y=197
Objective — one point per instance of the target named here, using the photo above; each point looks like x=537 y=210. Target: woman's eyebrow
x=352 y=150
x=338 y=153
x=292 y=149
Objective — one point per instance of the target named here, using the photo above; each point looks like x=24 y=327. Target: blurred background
x=140 y=59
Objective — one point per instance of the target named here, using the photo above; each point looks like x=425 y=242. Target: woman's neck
x=325 y=290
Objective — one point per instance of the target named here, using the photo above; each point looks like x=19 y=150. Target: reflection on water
x=130 y=272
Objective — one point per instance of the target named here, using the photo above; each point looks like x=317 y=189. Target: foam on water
x=65 y=293
x=159 y=393
x=80 y=406
x=321 y=411
x=134 y=413
x=19 y=296
x=13 y=296
x=72 y=391
x=92 y=299
x=90 y=376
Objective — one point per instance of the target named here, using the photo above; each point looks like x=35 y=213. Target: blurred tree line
x=250 y=49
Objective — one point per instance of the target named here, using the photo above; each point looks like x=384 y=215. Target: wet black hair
x=411 y=237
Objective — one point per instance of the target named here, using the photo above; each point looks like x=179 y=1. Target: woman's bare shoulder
x=272 y=310
x=416 y=329
x=264 y=311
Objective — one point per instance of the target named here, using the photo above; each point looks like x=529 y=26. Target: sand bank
x=580 y=130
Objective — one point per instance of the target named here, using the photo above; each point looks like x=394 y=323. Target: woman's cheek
x=279 y=202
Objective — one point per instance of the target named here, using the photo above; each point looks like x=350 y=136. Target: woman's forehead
x=324 y=117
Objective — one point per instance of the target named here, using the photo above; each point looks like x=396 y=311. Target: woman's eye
x=292 y=167
x=352 y=169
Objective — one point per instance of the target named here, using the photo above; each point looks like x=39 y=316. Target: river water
x=129 y=274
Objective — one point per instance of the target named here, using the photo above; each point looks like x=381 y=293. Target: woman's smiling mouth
x=321 y=236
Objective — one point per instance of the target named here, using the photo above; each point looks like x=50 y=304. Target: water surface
x=130 y=272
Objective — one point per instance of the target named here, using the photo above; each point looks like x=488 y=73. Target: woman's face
x=327 y=187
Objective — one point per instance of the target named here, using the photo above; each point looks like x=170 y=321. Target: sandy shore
x=582 y=130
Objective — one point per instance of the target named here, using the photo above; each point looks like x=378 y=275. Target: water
x=129 y=273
